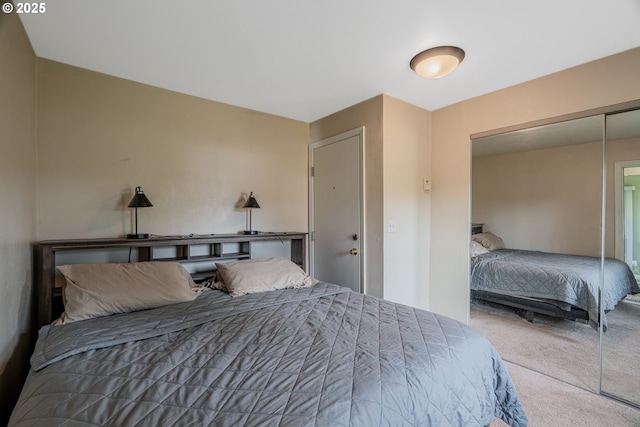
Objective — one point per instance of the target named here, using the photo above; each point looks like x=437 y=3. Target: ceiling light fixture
x=437 y=62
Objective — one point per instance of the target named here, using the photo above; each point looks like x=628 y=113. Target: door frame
x=359 y=132
x=618 y=180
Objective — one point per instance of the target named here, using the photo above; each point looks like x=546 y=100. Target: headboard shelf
x=185 y=249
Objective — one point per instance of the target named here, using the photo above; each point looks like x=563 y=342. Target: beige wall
x=406 y=161
x=604 y=82
x=397 y=146
x=17 y=205
x=548 y=200
x=100 y=136
x=368 y=114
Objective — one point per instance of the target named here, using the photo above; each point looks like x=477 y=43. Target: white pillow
x=260 y=275
x=94 y=290
x=488 y=240
x=476 y=249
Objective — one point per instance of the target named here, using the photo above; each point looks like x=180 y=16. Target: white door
x=336 y=214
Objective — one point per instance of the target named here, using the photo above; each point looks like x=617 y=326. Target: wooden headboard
x=192 y=249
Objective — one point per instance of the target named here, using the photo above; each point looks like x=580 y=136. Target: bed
x=553 y=284
x=267 y=346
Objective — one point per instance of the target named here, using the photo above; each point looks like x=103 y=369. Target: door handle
x=354 y=251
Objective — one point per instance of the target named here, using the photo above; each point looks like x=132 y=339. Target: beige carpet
x=552 y=403
x=635 y=297
x=562 y=349
x=621 y=352
x=569 y=351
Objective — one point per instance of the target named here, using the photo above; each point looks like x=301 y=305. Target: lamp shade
x=140 y=200
x=251 y=202
x=437 y=62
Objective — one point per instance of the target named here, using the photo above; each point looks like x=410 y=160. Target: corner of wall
x=17 y=206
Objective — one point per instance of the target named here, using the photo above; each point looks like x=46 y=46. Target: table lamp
x=139 y=200
x=251 y=204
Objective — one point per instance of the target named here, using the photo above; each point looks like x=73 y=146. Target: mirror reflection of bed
x=539 y=192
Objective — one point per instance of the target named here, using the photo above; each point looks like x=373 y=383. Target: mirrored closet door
x=538 y=192
x=561 y=199
x=621 y=340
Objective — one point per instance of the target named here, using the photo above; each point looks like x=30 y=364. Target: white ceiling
x=305 y=59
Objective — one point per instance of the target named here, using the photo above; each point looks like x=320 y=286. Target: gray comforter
x=572 y=279
x=321 y=356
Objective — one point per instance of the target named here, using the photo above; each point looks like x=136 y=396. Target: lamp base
x=250 y=232
x=138 y=236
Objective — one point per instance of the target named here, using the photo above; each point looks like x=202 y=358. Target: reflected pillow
x=476 y=249
x=94 y=290
x=488 y=240
x=260 y=275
